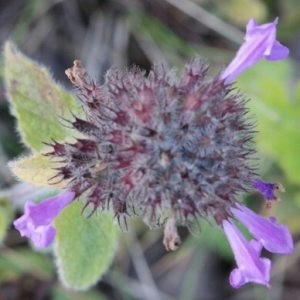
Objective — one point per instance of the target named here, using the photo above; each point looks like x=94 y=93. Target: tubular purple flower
x=36 y=223
x=274 y=237
x=268 y=189
x=260 y=41
x=251 y=268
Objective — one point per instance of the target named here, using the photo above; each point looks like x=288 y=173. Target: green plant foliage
x=241 y=11
x=3 y=224
x=37 y=170
x=278 y=116
x=170 y=44
x=213 y=238
x=60 y=293
x=6 y=215
x=36 y=100
x=84 y=247
x=14 y=264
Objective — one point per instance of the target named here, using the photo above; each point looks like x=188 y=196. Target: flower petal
x=36 y=221
x=274 y=237
x=252 y=24
x=43 y=236
x=268 y=189
x=278 y=52
x=251 y=268
x=260 y=41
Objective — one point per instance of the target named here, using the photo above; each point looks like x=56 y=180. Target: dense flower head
x=171 y=149
x=159 y=142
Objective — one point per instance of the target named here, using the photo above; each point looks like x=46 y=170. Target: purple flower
x=260 y=41
x=251 y=268
x=268 y=189
x=36 y=221
x=274 y=237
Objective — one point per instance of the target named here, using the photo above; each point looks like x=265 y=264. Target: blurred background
x=139 y=32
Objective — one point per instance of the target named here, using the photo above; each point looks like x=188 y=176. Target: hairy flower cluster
x=158 y=142
x=170 y=147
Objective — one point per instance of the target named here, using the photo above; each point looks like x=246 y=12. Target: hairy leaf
x=84 y=247
x=37 y=170
x=36 y=100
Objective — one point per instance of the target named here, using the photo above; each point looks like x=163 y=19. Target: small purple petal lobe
x=278 y=52
x=260 y=42
x=274 y=237
x=251 y=268
x=257 y=246
x=237 y=277
x=251 y=25
x=268 y=189
x=36 y=221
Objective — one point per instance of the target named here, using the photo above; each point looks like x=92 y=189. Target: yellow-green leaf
x=84 y=247
x=37 y=170
x=36 y=100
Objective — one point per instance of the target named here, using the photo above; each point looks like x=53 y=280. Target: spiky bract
x=159 y=143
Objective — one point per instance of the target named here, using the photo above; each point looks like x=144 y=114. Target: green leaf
x=37 y=170
x=36 y=100
x=84 y=247
x=6 y=215
x=278 y=116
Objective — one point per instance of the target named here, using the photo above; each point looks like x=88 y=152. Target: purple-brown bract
x=158 y=142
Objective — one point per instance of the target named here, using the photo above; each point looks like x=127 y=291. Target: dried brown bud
x=171 y=238
x=77 y=74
